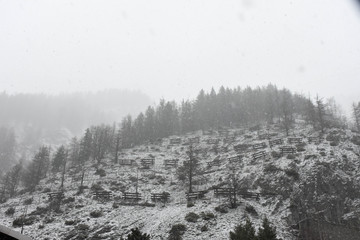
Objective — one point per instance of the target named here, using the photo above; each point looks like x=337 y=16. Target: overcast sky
x=172 y=49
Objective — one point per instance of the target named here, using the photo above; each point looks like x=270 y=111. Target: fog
x=172 y=49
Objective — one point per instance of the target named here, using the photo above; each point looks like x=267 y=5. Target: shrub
x=26 y=220
x=207 y=216
x=95 y=214
x=28 y=201
x=244 y=232
x=310 y=156
x=204 y=228
x=69 y=200
x=136 y=234
x=49 y=220
x=270 y=168
x=101 y=172
x=222 y=209
x=133 y=179
x=333 y=137
x=81 y=189
x=97 y=187
x=290 y=156
x=190 y=204
x=300 y=147
x=176 y=232
x=160 y=179
x=69 y=222
x=292 y=173
x=46 y=190
x=334 y=144
x=355 y=140
x=10 y=211
x=82 y=227
x=275 y=154
x=192 y=217
x=40 y=211
x=251 y=210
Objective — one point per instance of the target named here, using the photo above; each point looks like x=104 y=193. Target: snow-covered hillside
x=320 y=178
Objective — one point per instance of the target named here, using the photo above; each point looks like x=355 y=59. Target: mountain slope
x=319 y=183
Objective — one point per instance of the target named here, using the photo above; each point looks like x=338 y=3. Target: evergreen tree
x=139 y=127
x=37 y=168
x=311 y=113
x=128 y=133
x=149 y=124
x=7 y=148
x=321 y=114
x=201 y=111
x=186 y=117
x=85 y=147
x=189 y=168
x=136 y=234
x=272 y=100
x=266 y=232
x=287 y=109
x=356 y=115
x=243 y=232
x=74 y=151
x=117 y=145
x=84 y=154
x=12 y=178
x=102 y=138
x=59 y=159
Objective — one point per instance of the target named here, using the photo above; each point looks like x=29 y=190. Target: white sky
x=174 y=48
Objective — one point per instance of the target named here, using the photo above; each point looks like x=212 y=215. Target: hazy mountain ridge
x=317 y=178
x=40 y=119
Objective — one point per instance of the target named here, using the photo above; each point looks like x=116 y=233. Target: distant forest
x=241 y=107
x=28 y=121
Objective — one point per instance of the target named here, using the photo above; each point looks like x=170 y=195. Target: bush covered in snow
x=192 y=217
x=10 y=211
x=96 y=214
x=177 y=231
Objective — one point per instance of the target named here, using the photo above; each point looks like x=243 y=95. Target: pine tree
x=201 y=111
x=85 y=147
x=187 y=120
x=7 y=148
x=37 y=168
x=59 y=159
x=139 y=126
x=117 y=145
x=149 y=124
x=243 y=232
x=84 y=154
x=189 y=168
x=287 y=109
x=356 y=115
x=74 y=152
x=102 y=138
x=266 y=232
x=310 y=113
x=12 y=178
x=136 y=234
x=320 y=107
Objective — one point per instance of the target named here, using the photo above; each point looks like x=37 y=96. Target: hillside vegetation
x=196 y=171
x=319 y=181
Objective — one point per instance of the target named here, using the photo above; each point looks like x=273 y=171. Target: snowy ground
x=157 y=221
